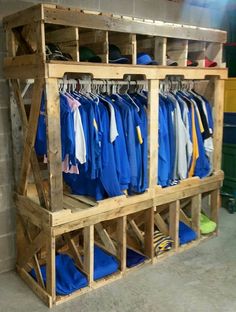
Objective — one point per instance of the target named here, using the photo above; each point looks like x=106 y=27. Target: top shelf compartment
x=77 y=33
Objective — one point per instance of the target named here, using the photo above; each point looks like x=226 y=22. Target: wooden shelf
x=57 y=69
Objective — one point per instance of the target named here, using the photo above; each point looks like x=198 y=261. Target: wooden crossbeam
x=33 y=157
x=183 y=217
x=105 y=238
x=30 y=134
x=160 y=224
x=136 y=230
x=74 y=251
x=28 y=238
x=34 y=247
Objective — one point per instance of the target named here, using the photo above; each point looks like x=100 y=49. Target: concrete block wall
x=152 y=9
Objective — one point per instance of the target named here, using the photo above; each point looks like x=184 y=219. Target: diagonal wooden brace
x=33 y=157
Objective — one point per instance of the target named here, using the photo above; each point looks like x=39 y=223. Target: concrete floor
x=199 y=280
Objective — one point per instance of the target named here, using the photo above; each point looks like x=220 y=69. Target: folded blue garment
x=133 y=258
x=104 y=263
x=68 y=277
x=186 y=234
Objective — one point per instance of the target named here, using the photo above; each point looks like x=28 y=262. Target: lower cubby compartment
x=64 y=261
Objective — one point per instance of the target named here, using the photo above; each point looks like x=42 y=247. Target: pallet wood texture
x=50 y=220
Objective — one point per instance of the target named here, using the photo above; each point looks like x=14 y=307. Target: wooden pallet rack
x=49 y=219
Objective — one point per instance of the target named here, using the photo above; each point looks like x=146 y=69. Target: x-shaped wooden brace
x=30 y=129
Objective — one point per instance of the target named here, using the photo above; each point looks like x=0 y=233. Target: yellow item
x=139 y=135
x=95 y=124
x=195 y=143
x=230 y=95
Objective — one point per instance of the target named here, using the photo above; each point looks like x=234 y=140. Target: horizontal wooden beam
x=76 y=18
x=117 y=71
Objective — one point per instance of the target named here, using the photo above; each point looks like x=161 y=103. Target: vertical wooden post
x=174 y=211
x=148 y=233
x=10 y=43
x=51 y=267
x=40 y=31
x=196 y=213
x=122 y=242
x=153 y=104
x=89 y=252
x=218 y=122
x=160 y=45
x=215 y=206
x=134 y=49
x=54 y=144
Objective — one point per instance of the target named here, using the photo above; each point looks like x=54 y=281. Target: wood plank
x=30 y=134
x=174 y=223
x=117 y=71
x=54 y=144
x=51 y=267
x=122 y=242
x=105 y=238
x=35 y=258
x=196 y=213
x=74 y=251
x=22 y=17
x=65 y=221
x=34 y=247
x=215 y=206
x=148 y=233
x=102 y=22
x=77 y=223
x=136 y=230
x=35 y=213
x=218 y=122
x=184 y=218
x=160 y=224
x=89 y=252
x=152 y=115
x=33 y=158
x=39 y=291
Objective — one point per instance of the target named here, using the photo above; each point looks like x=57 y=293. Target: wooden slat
x=136 y=230
x=35 y=213
x=89 y=252
x=22 y=17
x=174 y=223
x=78 y=19
x=160 y=223
x=35 y=258
x=117 y=71
x=148 y=233
x=39 y=291
x=122 y=242
x=153 y=88
x=34 y=247
x=54 y=144
x=196 y=213
x=74 y=251
x=30 y=135
x=51 y=267
x=184 y=218
x=218 y=122
x=105 y=238
x=33 y=157
x=215 y=206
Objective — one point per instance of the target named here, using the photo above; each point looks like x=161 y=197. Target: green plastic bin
x=229 y=186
